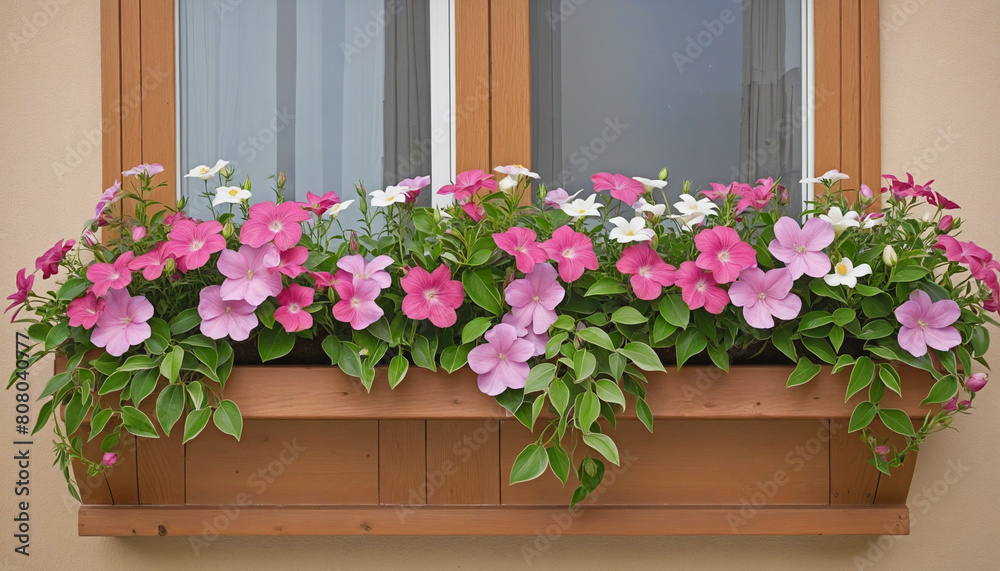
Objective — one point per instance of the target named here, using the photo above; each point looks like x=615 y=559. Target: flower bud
x=110 y=459
x=89 y=237
x=590 y=467
x=138 y=233
x=925 y=217
x=227 y=172
x=282 y=179
x=246 y=183
x=228 y=229
x=686 y=187
x=169 y=267
x=945 y=224
x=352 y=244
x=882 y=450
x=952 y=404
x=783 y=197
x=664 y=174
x=507 y=183
x=866 y=191
x=976 y=382
x=889 y=256
x=965 y=405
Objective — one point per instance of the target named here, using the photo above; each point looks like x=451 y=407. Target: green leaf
x=564 y=322
x=604 y=287
x=628 y=316
x=820 y=287
x=719 y=356
x=423 y=352
x=588 y=408
x=159 y=336
x=331 y=346
x=170 y=367
x=56 y=383
x=480 y=286
x=942 y=391
x=862 y=416
x=804 y=372
x=455 y=357
x=642 y=355
x=169 y=407
x=598 y=337
x=689 y=343
x=821 y=349
x=559 y=396
x=876 y=330
x=540 y=377
x=843 y=316
x=782 y=340
x=185 y=321
x=559 y=462
x=397 y=370
x=675 y=311
x=143 y=385
x=861 y=376
x=98 y=421
x=529 y=464
x=837 y=337
x=57 y=335
x=138 y=423
x=889 y=377
x=644 y=413
x=907 y=274
x=228 y=419
x=138 y=363
x=897 y=421
x=195 y=422
x=511 y=399
x=116 y=382
x=72 y=288
x=603 y=444
x=814 y=319
x=842 y=361
x=980 y=341
x=44 y=414
x=274 y=343
x=608 y=391
x=76 y=411
x=474 y=329
x=584 y=364
x=877 y=306
x=350 y=360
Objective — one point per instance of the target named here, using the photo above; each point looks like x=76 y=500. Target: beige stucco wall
x=940 y=109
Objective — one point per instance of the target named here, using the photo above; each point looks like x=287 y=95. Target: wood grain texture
x=500 y=520
x=275 y=462
x=894 y=488
x=402 y=462
x=111 y=70
x=871 y=94
x=131 y=97
x=463 y=462
x=828 y=92
x=850 y=90
x=510 y=68
x=161 y=468
x=123 y=478
x=852 y=479
x=472 y=85
x=92 y=489
x=159 y=123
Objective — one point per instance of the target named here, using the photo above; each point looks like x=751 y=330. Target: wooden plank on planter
x=852 y=479
x=463 y=462
x=281 y=462
x=402 y=462
x=123 y=477
x=161 y=468
x=894 y=488
x=499 y=520
x=693 y=462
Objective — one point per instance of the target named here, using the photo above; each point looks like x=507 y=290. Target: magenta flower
x=115 y=275
x=467 y=183
x=84 y=311
x=723 y=253
x=222 y=317
x=318 y=205
x=357 y=303
x=951 y=404
x=501 y=362
x=764 y=296
x=326 y=280
x=533 y=298
x=174 y=218
x=699 y=289
x=907 y=189
x=248 y=274
x=937 y=199
x=433 y=296
x=476 y=212
x=650 y=274
x=144 y=170
x=755 y=197
x=48 y=262
x=622 y=187
x=976 y=382
x=927 y=324
x=945 y=223
x=520 y=243
x=107 y=198
x=109 y=459
x=801 y=249
x=122 y=324
x=290 y=261
x=19 y=297
x=193 y=243
x=411 y=186
x=538 y=341
x=268 y=222
x=365 y=271
x=151 y=263
x=572 y=251
x=978 y=260
x=292 y=304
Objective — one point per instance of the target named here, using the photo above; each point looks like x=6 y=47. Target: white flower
x=650 y=183
x=444 y=215
x=840 y=220
x=205 y=173
x=844 y=273
x=694 y=211
x=391 y=195
x=827 y=179
x=230 y=194
x=630 y=230
x=642 y=206
x=336 y=209
x=581 y=207
x=889 y=256
x=513 y=172
x=870 y=221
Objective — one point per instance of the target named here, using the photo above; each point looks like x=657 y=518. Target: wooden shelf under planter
x=732 y=453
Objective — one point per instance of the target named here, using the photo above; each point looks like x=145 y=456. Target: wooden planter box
x=735 y=453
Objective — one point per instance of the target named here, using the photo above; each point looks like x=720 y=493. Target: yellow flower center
x=203 y=170
x=233 y=191
x=842 y=269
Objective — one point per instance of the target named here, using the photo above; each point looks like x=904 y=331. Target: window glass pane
x=322 y=90
x=711 y=89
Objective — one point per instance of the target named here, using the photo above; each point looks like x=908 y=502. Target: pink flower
x=764 y=296
x=622 y=187
x=723 y=253
x=501 y=362
x=977 y=259
x=467 y=183
x=110 y=276
x=945 y=223
x=89 y=237
x=290 y=261
x=110 y=459
x=20 y=296
x=292 y=304
x=326 y=280
x=907 y=189
x=248 y=274
x=721 y=191
x=755 y=197
x=937 y=199
x=193 y=243
x=278 y=222
x=222 y=317
x=557 y=197
x=433 y=296
x=801 y=249
x=882 y=450
x=866 y=191
x=927 y=324
x=520 y=243
x=976 y=382
x=144 y=170
x=699 y=289
x=951 y=404
x=365 y=271
x=572 y=251
x=650 y=274
x=533 y=299
x=412 y=186
x=538 y=341
x=48 y=262
x=318 y=205
x=174 y=218
x=107 y=198
x=138 y=233
x=357 y=303
x=84 y=311
x=151 y=263
x=474 y=211
x=122 y=324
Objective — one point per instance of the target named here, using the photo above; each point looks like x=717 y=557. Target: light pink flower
x=412 y=186
x=193 y=243
x=326 y=280
x=557 y=197
x=144 y=170
x=151 y=263
x=978 y=259
x=222 y=317
x=89 y=237
x=520 y=243
x=138 y=233
x=268 y=222
x=357 y=303
x=572 y=251
x=723 y=253
x=764 y=296
x=650 y=274
x=882 y=450
x=48 y=262
x=475 y=211
x=122 y=324
x=755 y=197
x=626 y=189
x=533 y=298
x=538 y=340
x=290 y=261
x=115 y=275
x=927 y=324
x=109 y=196
x=292 y=304
x=373 y=271
x=318 y=205
x=84 y=311
x=501 y=362
x=109 y=459
x=721 y=191
x=801 y=249
x=699 y=289
x=468 y=183
x=248 y=274
x=433 y=296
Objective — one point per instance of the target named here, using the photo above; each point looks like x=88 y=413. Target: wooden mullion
x=871 y=112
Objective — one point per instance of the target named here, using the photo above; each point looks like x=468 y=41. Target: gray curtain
x=546 y=92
